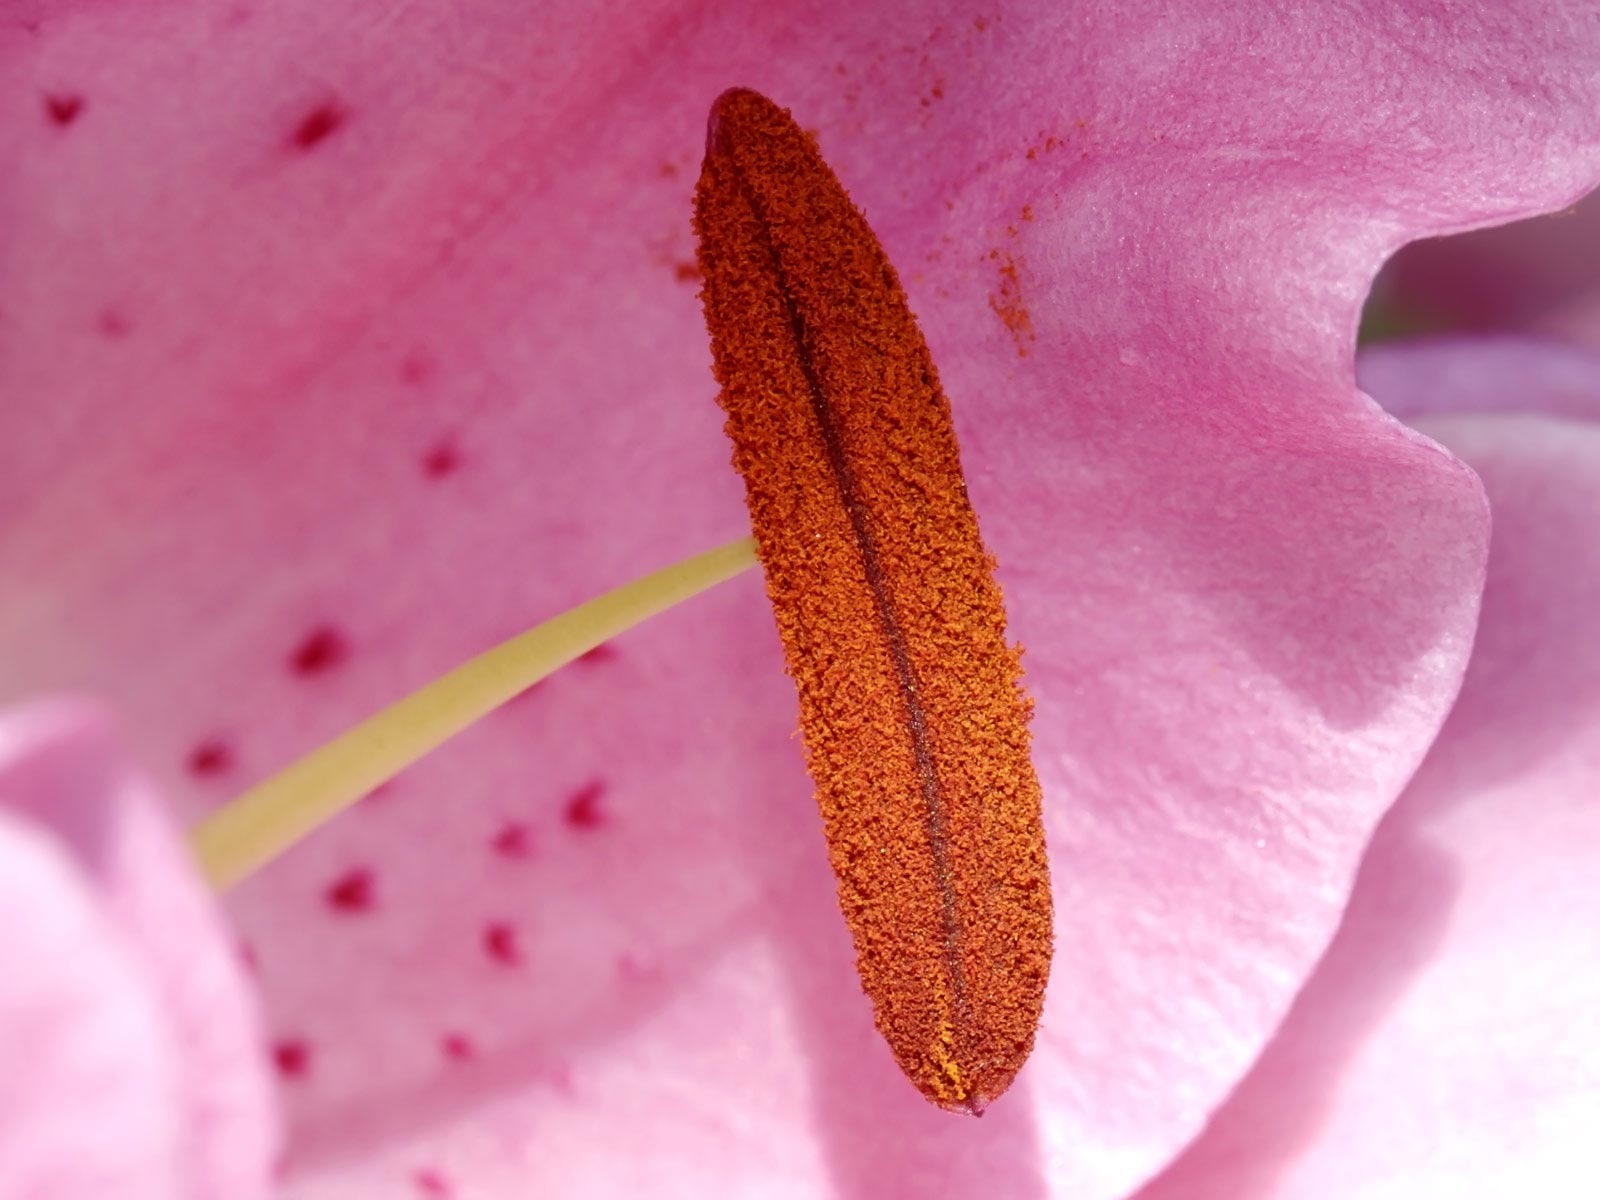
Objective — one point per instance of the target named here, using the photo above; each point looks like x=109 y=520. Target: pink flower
x=354 y=341
x=1540 y=276
x=128 y=1037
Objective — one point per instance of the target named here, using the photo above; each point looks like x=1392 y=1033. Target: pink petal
x=381 y=345
x=1446 y=1045
x=1537 y=276
x=132 y=1064
x=1482 y=374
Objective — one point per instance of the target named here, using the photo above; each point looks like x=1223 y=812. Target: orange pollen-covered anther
x=911 y=706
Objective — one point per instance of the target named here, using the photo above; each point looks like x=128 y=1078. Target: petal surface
x=1447 y=1043
x=143 y=1075
x=358 y=342
x=1493 y=374
x=1540 y=276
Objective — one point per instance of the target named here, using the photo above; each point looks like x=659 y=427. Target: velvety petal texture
x=356 y=339
x=133 y=1063
x=1447 y=1044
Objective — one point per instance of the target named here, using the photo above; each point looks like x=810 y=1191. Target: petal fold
x=122 y=990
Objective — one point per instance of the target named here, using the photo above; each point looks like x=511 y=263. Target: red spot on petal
x=604 y=652
x=113 y=325
x=380 y=793
x=526 y=693
x=457 y=1046
x=500 y=940
x=633 y=970
x=431 y=1183
x=415 y=369
x=352 y=892
x=211 y=757
x=317 y=125
x=322 y=649
x=292 y=1058
x=686 y=271
x=514 y=840
x=560 y=1078
x=63 y=108
x=440 y=461
x=247 y=955
x=583 y=809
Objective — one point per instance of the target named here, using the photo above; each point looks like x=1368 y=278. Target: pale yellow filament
x=274 y=815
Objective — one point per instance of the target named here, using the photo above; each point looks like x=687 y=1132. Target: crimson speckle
x=583 y=809
x=440 y=461
x=416 y=368
x=457 y=1046
x=211 y=757
x=321 y=650
x=430 y=1183
x=513 y=840
x=500 y=940
x=317 y=125
x=63 y=108
x=351 y=892
x=292 y=1058
x=604 y=652
x=113 y=325
x=379 y=793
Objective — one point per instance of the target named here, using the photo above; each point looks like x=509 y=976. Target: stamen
x=914 y=720
x=274 y=815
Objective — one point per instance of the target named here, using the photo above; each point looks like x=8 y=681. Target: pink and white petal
x=1447 y=1045
x=132 y=1066
x=89 y=1097
x=1497 y=374
x=1540 y=276
x=385 y=344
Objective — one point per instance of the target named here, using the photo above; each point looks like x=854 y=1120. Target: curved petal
x=143 y=1073
x=1446 y=1045
x=1539 y=276
x=1503 y=374
x=385 y=343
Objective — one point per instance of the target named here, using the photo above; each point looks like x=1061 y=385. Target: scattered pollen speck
x=686 y=272
x=322 y=649
x=440 y=461
x=1006 y=300
x=211 y=757
x=500 y=941
x=351 y=892
x=292 y=1057
x=513 y=841
x=63 y=108
x=317 y=125
x=583 y=809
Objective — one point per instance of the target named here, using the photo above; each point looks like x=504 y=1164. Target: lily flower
x=1538 y=278
x=339 y=345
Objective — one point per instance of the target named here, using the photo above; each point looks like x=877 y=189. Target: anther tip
x=723 y=109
